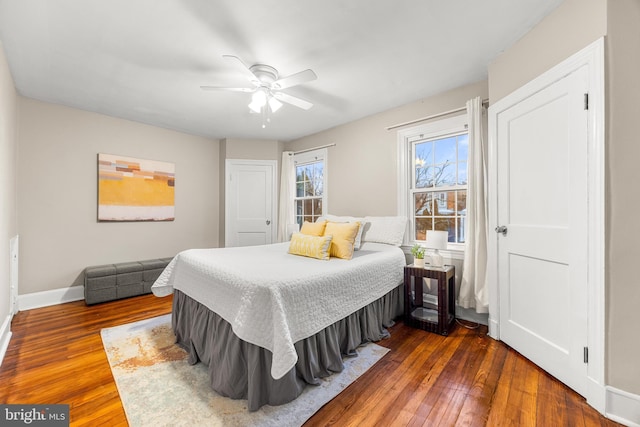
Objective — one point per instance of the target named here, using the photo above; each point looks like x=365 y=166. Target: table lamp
x=437 y=240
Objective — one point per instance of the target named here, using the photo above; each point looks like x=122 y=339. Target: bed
x=267 y=323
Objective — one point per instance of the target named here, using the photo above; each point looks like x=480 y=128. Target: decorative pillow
x=313 y=228
x=385 y=229
x=358 y=242
x=344 y=234
x=310 y=246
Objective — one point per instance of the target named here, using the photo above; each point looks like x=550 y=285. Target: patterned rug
x=159 y=388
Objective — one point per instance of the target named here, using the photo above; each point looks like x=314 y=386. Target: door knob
x=268 y=222
x=501 y=229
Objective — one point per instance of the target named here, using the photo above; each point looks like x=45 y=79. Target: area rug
x=159 y=388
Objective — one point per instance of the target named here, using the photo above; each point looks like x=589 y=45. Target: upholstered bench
x=115 y=281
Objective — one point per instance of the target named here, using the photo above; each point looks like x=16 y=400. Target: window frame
x=406 y=139
x=307 y=157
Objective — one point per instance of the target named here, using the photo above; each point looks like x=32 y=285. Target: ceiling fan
x=267 y=85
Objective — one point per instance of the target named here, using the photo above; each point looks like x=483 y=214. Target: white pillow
x=336 y=218
x=385 y=229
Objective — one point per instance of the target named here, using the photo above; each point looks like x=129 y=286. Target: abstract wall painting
x=131 y=189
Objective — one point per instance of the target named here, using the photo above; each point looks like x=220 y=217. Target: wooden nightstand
x=435 y=313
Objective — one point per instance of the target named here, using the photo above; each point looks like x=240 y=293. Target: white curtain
x=286 y=212
x=473 y=288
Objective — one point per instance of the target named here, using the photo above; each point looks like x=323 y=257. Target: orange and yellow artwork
x=131 y=189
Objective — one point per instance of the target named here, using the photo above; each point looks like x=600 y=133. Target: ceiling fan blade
x=294 y=79
x=229 y=89
x=243 y=67
x=300 y=103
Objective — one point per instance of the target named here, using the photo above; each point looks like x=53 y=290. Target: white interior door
x=542 y=194
x=250 y=202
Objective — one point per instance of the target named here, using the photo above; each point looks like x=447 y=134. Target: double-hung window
x=433 y=187
x=311 y=178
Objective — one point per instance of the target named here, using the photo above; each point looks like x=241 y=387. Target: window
x=310 y=198
x=434 y=191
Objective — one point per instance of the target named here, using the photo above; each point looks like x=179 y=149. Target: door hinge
x=585 y=352
x=586 y=101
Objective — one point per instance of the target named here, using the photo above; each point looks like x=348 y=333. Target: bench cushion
x=114 y=281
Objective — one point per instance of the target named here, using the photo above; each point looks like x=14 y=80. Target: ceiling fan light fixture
x=256 y=108
x=258 y=100
x=267 y=85
x=274 y=104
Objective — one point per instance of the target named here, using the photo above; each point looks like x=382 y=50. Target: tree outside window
x=439 y=186
x=309 y=191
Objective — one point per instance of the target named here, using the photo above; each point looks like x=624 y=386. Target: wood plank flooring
x=466 y=379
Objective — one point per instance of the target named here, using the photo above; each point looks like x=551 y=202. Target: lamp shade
x=437 y=239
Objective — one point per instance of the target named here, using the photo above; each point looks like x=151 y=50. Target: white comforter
x=273 y=299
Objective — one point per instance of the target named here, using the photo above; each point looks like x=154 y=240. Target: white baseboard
x=494 y=328
x=623 y=407
x=52 y=297
x=5 y=336
x=596 y=395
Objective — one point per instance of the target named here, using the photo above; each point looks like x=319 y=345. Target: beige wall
x=57 y=193
x=362 y=167
x=623 y=175
x=253 y=149
x=569 y=28
x=8 y=211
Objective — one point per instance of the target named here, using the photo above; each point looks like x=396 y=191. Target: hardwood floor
x=466 y=379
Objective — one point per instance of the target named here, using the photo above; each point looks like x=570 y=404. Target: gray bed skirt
x=240 y=370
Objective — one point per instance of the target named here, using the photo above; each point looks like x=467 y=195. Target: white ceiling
x=145 y=60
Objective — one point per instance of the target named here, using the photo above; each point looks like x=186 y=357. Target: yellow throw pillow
x=313 y=228
x=344 y=235
x=310 y=246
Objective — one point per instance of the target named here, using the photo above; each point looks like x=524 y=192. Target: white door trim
x=274 y=182
x=593 y=57
x=14 y=249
